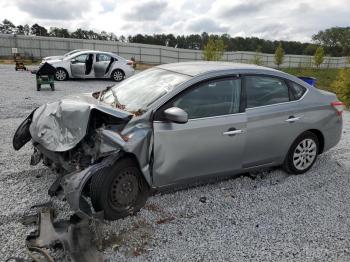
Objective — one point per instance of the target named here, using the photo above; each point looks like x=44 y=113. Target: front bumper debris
x=74 y=183
x=74 y=235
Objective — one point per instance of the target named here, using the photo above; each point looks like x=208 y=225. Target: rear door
x=210 y=143
x=272 y=123
x=102 y=64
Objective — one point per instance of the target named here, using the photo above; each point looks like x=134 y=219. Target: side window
x=214 y=98
x=264 y=90
x=103 y=58
x=81 y=58
x=297 y=90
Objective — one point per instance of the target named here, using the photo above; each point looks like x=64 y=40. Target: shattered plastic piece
x=75 y=236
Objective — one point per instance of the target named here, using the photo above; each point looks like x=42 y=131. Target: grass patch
x=325 y=77
x=333 y=80
x=26 y=62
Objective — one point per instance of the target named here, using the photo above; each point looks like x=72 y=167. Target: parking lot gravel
x=265 y=216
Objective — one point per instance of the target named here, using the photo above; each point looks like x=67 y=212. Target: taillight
x=339 y=107
x=130 y=63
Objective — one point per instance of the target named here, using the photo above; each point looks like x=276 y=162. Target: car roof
x=95 y=52
x=202 y=67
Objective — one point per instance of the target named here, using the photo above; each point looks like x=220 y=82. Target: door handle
x=233 y=132
x=293 y=119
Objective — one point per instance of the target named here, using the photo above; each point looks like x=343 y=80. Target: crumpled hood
x=60 y=126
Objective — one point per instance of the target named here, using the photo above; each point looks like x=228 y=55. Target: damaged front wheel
x=119 y=192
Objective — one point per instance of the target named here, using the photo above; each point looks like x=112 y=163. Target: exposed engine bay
x=80 y=136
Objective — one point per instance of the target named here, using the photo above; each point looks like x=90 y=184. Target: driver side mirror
x=177 y=115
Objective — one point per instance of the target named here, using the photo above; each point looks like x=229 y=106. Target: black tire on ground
x=117 y=75
x=119 y=191
x=302 y=154
x=61 y=74
x=38 y=87
x=52 y=87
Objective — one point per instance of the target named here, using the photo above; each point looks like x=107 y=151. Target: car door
x=271 y=120
x=78 y=65
x=210 y=143
x=102 y=64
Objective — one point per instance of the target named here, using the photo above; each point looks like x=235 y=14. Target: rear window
x=297 y=90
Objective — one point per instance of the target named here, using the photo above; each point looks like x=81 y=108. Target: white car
x=48 y=58
x=92 y=64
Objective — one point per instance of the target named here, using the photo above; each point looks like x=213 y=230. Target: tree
x=122 y=39
x=310 y=49
x=214 y=49
x=319 y=56
x=342 y=86
x=59 y=32
x=20 y=30
x=258 y=59
x=80 y=34
x=26 y=29
x=7 y=27
x=38 y=30
x=279 y=55
x=336 y=40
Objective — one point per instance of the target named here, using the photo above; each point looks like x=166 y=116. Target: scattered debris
x=203 y=199
x=165 y=220
x=74 y=236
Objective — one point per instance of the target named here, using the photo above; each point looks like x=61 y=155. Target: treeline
x=336 y=41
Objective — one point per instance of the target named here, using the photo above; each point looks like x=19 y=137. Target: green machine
x=45 y=76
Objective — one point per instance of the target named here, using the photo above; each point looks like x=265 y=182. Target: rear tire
x=117 y=75
x=302 y=154
x=120 y=191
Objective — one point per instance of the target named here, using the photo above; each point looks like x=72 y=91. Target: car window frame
x=290 y=83
x=290 y=92
x=98 y=54
x=75 y=57
x=158 y=114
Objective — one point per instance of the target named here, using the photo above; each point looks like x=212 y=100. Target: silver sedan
x=175 y=124
x=91 y=64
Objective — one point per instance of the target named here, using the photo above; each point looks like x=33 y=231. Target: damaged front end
x=79 y=137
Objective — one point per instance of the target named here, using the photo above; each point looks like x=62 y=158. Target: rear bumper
x=129 y=72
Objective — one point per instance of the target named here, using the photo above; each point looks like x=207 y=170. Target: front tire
x=61 y=74
x=302 y=154
x=117 y=75
x=120 y=191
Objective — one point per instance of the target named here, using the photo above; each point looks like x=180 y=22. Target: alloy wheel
x=118 y=75
x=305 y=154
x=61 y=75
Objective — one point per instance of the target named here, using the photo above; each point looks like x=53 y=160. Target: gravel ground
x=269 y=216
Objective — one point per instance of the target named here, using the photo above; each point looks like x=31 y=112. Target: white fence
x=37 y=47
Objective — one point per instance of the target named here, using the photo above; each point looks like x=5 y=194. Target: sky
x=269 y=19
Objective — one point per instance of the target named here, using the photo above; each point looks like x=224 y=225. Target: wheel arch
x=65 y=69
x=122 y=155
x=115 y=69
x=317 y=133
x=320 y=138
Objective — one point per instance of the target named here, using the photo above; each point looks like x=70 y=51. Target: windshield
x=135 y=94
